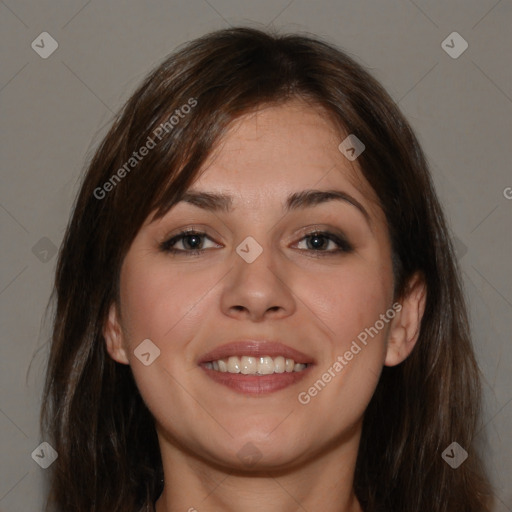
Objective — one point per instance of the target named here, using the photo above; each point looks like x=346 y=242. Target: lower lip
x=257 y=384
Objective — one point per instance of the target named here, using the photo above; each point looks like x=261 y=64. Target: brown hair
x=109 y=457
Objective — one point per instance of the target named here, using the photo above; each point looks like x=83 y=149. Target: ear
x=405 y=327
x=113 y=335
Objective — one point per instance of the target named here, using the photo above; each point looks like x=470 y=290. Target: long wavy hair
x=92 y=412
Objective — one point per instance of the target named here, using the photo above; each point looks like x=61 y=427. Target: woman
x=258 y=306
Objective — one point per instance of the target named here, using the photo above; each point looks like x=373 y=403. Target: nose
x=258 y=290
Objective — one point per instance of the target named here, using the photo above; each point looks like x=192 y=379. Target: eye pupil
x=317 y=241
x=194 y=241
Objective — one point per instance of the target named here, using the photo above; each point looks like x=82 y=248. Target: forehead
x=281 y=149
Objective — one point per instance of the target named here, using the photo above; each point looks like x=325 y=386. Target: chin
x=258 y=451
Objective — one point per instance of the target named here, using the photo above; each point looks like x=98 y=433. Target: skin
x=188 y=305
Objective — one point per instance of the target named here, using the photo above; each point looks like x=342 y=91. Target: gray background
x=55 y=110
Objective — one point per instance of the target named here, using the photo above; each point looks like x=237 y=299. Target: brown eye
x=191 y=243
x=326 y=242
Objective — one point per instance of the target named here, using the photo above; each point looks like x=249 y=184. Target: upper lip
x=255 y=348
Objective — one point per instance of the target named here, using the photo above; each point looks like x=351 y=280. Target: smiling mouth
x=255 y=365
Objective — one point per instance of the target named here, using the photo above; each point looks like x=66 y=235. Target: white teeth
x=249 y=365
x=234 y=365
x=279 y=364
x=265 y=365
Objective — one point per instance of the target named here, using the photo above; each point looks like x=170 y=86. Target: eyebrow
x=298 y=200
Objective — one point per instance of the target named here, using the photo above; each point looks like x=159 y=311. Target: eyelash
x=343 y=245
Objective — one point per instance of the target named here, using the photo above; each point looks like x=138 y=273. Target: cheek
x=348 y=299
x=166 y=306
x=349 y=303
x=159 y=301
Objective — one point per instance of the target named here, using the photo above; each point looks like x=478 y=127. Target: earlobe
x=405 y=327
x=113 y=335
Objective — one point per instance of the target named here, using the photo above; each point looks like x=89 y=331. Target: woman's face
x=263 y=285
